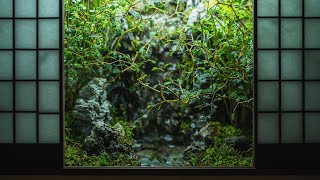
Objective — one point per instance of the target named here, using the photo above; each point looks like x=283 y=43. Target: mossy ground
x=217 y=155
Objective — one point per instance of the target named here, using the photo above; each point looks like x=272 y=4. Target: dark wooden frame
x=269 y=159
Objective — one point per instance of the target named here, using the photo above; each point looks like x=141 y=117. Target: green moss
x=75 y=155
x=221 y=155
x=223 y=130
x=127 y=140
x=118 y=116
x=185 y=126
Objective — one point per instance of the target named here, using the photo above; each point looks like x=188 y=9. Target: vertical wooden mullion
x=255 y=79
x=14 y=71
x=37 y=69
x=303 y=76
x=279 y=64
x=61 y=79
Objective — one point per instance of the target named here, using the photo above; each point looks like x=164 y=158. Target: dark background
x=159 y=178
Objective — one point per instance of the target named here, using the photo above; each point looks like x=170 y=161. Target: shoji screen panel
x=287 y=84
x=31 y=85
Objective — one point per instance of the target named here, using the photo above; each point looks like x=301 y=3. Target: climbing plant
x=203 y=66
x=216 y=69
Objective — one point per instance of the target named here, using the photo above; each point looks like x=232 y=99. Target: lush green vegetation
x=75 y=155
x=220 y=154
x=214 y=75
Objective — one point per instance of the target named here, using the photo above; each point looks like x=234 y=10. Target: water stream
x=160 y=154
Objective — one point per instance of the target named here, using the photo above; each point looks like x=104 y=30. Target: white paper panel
x=49 y=128
x=268 y=96
x=6 y=34
x=268 y=65
x=312 y=127
x=312 y=65
x=312 y=29
x=26 y=65
x=49 y=65
x=49 y=33
x=26 y=34
x=312 y=96
x=26 y=96
x=48 y=8
x=268 y=33
x=267 y=7
x=6 y=128
x=291 y=65
x=312 y=8
x=6 y=65
x=49 y=96
x=6 y=98
x=268 y=128
x=26 y=128
x=291 y=7
x=291 y=96
x=291 y=33
x=5 y=8
x=291 y=128
x=25 y=8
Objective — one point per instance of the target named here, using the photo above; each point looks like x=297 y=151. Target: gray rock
x=119 y=130
x=94 y=90
x=104 y=138
x=197 y=13
x=155 y=163
x=98 y=140
x=201 y=130
x=92 y=107
x=137 y=146
x=195 y=146
x=170 y=5
x=206 y=134
x=145 y=162
x=238 y=142
x=167 y=138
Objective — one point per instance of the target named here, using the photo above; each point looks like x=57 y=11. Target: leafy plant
x=210 y=63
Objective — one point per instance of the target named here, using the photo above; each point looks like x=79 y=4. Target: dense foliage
x=220 y=154
x=214 y=76
x=75 y=155
x=218 y=66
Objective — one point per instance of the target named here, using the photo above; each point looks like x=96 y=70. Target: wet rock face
x=194 y=147
x=171 y=126
x=92 y=106
x=199 y=10
x=206 y=134
x=169 y=5
x=201 y=130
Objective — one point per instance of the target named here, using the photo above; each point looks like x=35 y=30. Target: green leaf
x=78 y=65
